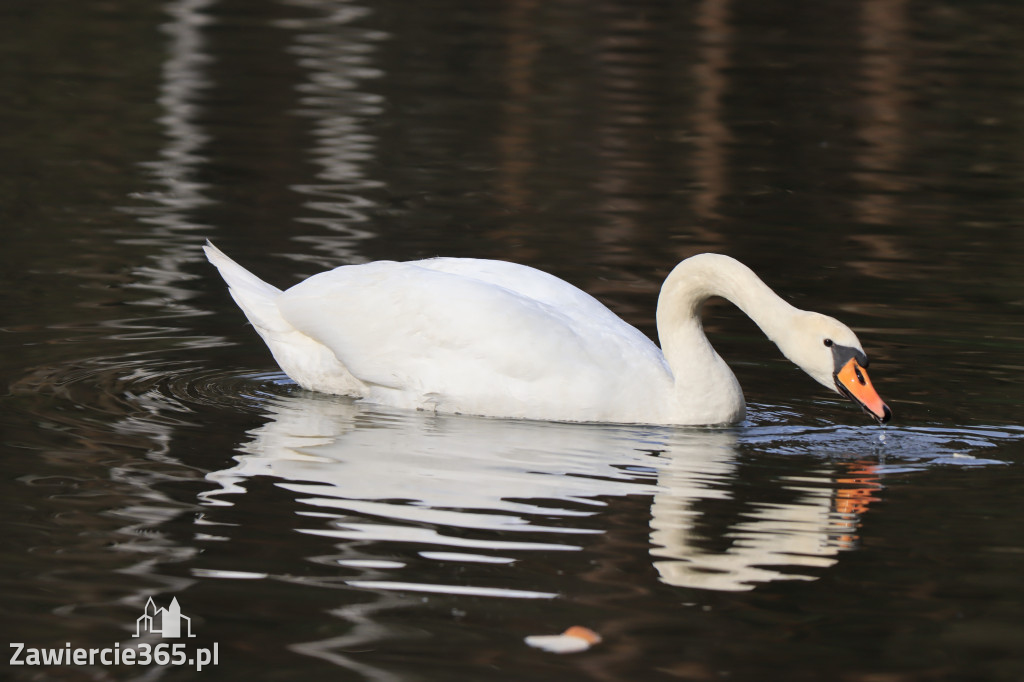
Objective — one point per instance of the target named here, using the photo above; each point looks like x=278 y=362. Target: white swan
x=498 y=339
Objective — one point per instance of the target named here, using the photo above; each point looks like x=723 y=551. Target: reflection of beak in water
x=808 y=531
x=379 y=478
x=856 y=490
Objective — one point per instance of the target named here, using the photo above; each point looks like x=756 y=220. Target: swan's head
x=829 y=351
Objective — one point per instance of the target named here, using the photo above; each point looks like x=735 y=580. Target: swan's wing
x=467 y=329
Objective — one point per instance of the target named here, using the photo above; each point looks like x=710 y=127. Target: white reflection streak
x=338 y=57
x=179 y=89
x=178 y=193
x=426 y=536
x=467 y=590
x=182 y=84
x=365 y=631
x=168 y=231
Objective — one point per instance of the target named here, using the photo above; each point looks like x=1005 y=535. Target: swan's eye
x=828 y=342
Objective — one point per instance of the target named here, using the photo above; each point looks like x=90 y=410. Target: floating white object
x=575 y=639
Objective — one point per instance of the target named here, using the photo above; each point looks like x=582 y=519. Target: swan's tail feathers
x=256 y=298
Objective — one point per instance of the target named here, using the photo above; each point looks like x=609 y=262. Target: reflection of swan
x=485 y=490
x=505 y=340
x=809 y=532
x=439 y=470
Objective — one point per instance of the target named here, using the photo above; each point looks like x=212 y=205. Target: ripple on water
x=119 y=386
x=894 y=447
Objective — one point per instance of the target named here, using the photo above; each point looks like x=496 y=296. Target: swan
x=498 y=339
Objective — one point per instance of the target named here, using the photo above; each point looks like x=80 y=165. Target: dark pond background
x=866 y=158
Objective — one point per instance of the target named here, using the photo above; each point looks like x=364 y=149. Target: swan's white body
x=498 y=339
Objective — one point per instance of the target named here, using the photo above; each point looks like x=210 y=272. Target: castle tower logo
x=164 y=622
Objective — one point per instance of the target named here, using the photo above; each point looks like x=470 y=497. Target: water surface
x=865 y=159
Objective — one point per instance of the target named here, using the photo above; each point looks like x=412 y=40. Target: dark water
x=867 y=159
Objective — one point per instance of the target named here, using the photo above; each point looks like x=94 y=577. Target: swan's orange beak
x=853 y=382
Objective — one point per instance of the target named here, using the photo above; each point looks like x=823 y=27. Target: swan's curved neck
x=686 y=348
x=697 y=279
